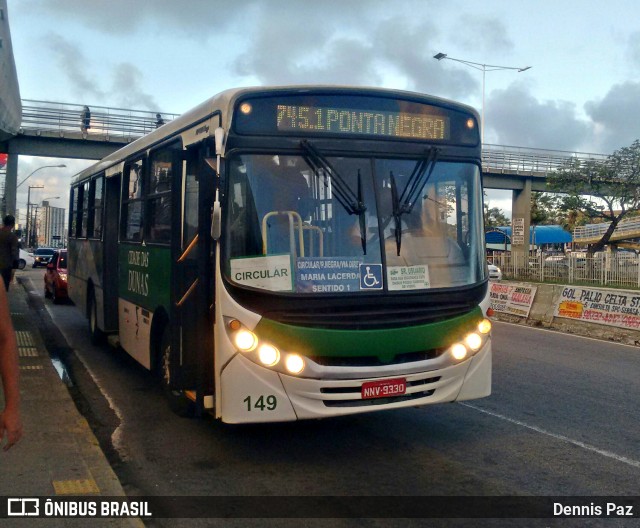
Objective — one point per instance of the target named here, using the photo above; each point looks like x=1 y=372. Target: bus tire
x=97 y=335
x=177 y=401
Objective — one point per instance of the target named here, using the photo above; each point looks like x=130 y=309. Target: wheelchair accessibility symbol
x=370 y=276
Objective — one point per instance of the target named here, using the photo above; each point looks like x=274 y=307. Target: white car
x=24 y=260
x=495 y=273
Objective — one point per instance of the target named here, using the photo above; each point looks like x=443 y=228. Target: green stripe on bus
x=383 y=343
x=144 y=275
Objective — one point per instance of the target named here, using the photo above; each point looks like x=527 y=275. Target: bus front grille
x=369 y=316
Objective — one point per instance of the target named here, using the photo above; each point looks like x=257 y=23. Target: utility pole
x=29 y=222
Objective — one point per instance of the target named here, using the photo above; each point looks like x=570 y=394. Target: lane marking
x=493 y=321
x=603 y=452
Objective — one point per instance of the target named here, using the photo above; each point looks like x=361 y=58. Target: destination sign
x=352 y=115
x=369 y=122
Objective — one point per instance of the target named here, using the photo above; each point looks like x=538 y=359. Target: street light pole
x=484 y=68
x=43 y=167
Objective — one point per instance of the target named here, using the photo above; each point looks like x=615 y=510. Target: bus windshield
x=331 y=225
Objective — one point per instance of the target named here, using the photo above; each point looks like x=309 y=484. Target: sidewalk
x=58 y=454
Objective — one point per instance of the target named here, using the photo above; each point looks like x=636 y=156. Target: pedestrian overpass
x=626 y=234
x=52 y=129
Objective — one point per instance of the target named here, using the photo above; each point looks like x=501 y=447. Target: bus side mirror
x=216 y=221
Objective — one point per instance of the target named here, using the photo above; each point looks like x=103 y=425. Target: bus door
x=110 y=256
x=191 y=317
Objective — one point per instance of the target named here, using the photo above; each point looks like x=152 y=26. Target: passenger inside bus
x=288 y=200
x=282 y=205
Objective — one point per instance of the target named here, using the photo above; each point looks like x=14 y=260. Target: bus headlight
x=294 y=363
x=459 y=351
x=245 y=340
x=473 y=341
x=261 y=352
x=484 y=326
x=268 y=355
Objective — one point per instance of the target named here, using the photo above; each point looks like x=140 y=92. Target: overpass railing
x=40 y=116
x=630 y=227
x=522 y=160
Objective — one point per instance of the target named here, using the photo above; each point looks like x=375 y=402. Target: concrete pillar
x=9 y=198
x=520 y=222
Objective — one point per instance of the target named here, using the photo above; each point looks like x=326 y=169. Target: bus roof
x=223 y=104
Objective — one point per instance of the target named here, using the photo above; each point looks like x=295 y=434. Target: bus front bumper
x=251 y=393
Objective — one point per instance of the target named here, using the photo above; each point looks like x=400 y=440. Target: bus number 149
x=268 y=403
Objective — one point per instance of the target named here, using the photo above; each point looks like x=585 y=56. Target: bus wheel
x=177 y=401
x=97 y=335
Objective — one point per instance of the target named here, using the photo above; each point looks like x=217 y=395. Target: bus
x=288 y=253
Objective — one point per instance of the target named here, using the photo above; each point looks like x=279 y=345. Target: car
x=495 y=273
x=24 y=260
x=42 y=256
x=55 y=277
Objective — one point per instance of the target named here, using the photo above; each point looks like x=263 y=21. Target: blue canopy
x=544 y=234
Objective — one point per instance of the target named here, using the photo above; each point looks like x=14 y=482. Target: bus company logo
x=204 y=129
x=26 y=507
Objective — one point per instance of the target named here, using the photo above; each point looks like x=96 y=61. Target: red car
x=55 y=277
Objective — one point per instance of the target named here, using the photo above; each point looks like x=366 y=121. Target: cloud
x=616 y=116
x=371 y=51
x=127 y=88
x=633 y=49
x=488 y=35
x=73 y=65
x=515 y=117
x=127 y=80
x=122 y=17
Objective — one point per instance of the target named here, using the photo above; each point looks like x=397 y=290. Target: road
x=562 y=421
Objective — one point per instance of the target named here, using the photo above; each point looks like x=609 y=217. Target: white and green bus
x=293 y=253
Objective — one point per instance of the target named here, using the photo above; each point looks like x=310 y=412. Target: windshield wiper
x=415 y=184
x=353 y=203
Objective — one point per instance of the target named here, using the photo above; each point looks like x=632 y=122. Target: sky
x=581 y=94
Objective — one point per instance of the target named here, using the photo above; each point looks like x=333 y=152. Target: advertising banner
x=513 y=299
x=608 y=307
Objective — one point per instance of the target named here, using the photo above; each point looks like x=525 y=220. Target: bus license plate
x=384 y=388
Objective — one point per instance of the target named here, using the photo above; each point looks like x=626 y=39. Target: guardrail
x=41 y=116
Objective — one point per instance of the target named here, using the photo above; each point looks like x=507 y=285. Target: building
x=50 y=225
x=543 y=237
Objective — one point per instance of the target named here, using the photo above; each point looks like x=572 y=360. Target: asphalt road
x=562 y=421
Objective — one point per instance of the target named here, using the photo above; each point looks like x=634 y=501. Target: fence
x=607 y=269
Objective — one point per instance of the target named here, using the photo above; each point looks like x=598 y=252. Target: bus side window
x=132 y=205
x=158 y=202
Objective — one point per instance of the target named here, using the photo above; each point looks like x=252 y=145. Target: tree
x=494 y=217
x=615 y=183
x=544 y=208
